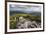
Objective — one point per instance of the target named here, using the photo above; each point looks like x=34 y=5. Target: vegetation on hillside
x=13 y=19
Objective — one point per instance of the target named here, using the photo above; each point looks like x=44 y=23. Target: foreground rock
x=23 y=23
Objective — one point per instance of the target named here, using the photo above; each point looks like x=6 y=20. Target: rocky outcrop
x=23 y=23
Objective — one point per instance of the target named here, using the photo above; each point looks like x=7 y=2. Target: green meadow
x=30 y=17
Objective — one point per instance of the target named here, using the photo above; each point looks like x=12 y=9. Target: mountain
x=36 y=13
x=18 y=12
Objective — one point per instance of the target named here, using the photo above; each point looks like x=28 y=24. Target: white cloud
x=25 y=8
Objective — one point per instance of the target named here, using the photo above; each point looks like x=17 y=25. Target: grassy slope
x=27 y=16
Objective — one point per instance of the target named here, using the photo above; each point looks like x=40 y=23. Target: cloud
x=25 y=8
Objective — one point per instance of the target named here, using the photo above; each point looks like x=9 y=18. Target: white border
x=31 y=29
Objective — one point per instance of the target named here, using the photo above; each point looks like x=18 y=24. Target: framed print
x=24 y=16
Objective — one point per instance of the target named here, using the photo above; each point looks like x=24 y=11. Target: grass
x=26 y=16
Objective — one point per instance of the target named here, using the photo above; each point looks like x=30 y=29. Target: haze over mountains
x=15 y=9
x=25 y=8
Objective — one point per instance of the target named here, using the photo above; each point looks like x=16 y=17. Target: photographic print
x=24 y=16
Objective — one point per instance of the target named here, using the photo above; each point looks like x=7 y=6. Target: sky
x=25 y=8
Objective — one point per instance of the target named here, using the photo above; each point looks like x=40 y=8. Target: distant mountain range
x=18 y=12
